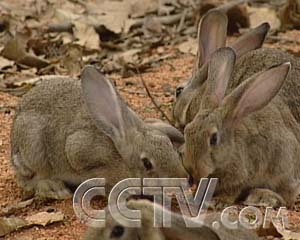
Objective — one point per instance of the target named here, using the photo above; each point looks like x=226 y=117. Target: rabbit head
x=149 y=147
x=214 y=143
x=178 y=229
x=147 y=231
x=115 y=230
x=211 y=36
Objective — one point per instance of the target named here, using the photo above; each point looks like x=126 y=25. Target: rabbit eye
x=214 y=139
x=117 y=232
x=147 y=164
x=178 y=91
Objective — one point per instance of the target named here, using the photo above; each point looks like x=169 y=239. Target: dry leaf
x=8 y=225
x=189 y=46
x=139 y=8
x=12 y=208
x=44 y=218
x=5 y=62
x=15 y=50
x=260 y=15
x=111 y=14
x=152 y=26
x=130 y=56
x=86 y=35
x=285 y=233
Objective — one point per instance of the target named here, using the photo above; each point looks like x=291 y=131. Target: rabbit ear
x=173 y=133
x=103 y=103
x=211 y=35
x=256 y=92
x=219 y=72
x=251 y=40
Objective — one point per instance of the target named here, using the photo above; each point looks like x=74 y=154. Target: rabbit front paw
x=261 y=197
x=52 y=189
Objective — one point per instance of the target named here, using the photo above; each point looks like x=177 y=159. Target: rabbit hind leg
x=33 y=171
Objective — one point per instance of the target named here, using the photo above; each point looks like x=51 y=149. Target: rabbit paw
x=53 y=189
x=264 y=198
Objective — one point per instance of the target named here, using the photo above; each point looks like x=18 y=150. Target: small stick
x=62 y=27
x=152 y=98
x=182 y=20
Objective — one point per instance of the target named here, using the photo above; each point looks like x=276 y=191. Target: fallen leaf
x=152 y=26
x=86 y=35
x=12 y=208
x=15 y=50
x=259 y=15
x=111 y=14
x=139 y=8
x=8 y=225
x=189 y=46
x=5 y=62
x=285 y=233
x=44 y=218
x=129 y=56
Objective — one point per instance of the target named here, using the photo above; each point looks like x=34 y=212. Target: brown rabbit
x=67 y=131
x=178 y=229
x=247 y=141
x=211 y=36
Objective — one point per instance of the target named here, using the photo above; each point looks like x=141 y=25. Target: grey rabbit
x=248 y=137
x=212 y=36
x=66 y=131
x=178 y=229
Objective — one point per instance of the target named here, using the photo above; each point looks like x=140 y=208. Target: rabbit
x=248 y=138
x=211 y=36
x=178 y=229
x=67 y=131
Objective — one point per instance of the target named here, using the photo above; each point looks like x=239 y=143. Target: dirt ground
x=161 y=80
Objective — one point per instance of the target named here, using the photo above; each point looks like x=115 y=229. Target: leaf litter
x=55 y=38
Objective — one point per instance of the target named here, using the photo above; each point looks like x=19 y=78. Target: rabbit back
x=53 y=135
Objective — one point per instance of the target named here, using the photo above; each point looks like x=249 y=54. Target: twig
x=153 y=100
x=181 y=22
x=60 y=27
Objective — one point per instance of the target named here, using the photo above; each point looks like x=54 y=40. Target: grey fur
x=211 y=36
x=63 y=134
x=258 y=135
x=177 y=231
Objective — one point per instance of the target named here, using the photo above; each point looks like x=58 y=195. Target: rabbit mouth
x=191 y=180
